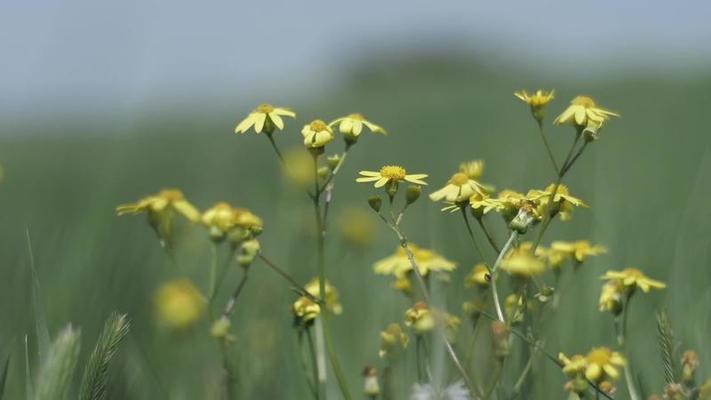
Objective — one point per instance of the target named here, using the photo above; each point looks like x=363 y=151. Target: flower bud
x=333 y=161
x=248 y=252
x=689 y=364
x=323 y=172
x=220 y=328
x=371 y=388
x=524 y=219
x=375 y=202
x=413 y=193
x=500 y=338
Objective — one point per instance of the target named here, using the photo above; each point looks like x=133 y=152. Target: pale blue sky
x=107 y=55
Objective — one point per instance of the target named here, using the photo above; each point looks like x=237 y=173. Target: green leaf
x=42 y=330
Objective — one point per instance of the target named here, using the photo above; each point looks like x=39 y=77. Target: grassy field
x=647 y=181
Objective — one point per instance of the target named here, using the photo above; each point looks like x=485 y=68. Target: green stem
x=545 y=142
x=418 y=357
x=621 y=336
x=223 y=273
x=314 y=361
x=471 y=233
x=213 y=272
x=488 y=234
x=494 y=274
x=295 y=285
x=275 y=147
x=495 y=378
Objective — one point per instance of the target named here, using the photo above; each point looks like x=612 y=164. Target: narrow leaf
x=42 y=331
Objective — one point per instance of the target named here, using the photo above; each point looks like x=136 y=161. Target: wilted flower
x=689 y=364
x=633 y=277
x=179 y=304
x=317 y=134
x=399 y=265
x=352 y=125
x=371 y=388
x=265 y=118
x=419 y=317
x=583 y=111
x=331 y=298
x=578 y=250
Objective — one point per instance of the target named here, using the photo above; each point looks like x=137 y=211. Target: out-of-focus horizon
x=85 y=57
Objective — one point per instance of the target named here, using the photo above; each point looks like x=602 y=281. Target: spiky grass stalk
x=93 y=385
x=666 y=346
x=57 y=370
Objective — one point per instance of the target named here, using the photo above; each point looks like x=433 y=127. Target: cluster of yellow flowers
x=600 y=366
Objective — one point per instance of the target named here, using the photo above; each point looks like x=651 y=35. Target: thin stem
x=471 y=233
x=545 y=142
x=494 y=274
x=232 y=301
x=418 y=357
x=295 y=285
x=275 y=147
x=621 y=336
x=223 y=273
x=314 y=360
x=524 y=374
x=213 y=272
x=488 y=234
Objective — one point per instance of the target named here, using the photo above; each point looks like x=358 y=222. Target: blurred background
x=102 y=103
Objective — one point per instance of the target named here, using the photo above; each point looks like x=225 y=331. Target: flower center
x=318 y=126
x=264 y=108
x=600 y=356
x=584 y=101
x=171 y=194
x=633 y=273
x=393 y=172
x=459 y=179
x=356 y=116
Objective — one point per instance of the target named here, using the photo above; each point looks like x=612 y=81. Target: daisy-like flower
x=331 y=298
x=634 y=278
x=392 y=340
x=458 y=189
x=423 y=319
x=305 y=310
x=264 y=118
x=537 y=101
x=179 y=305
x=317 y=134
x=427 y=261
x=579 y=250
x=564 y=202
x=479 y=276
x=473 y=169
x=583 y=112
x=352 y=125
x=392 y=174
x=603 y=363
x=611 y=297
x=574 y=365
x=520 y=262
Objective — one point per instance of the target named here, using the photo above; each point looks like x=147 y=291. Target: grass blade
x=3 y=378
x=93 y=385
x=29 y=392
x=55 y=374
x=42 y=330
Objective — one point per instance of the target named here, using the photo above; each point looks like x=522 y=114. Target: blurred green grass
x=647 y=181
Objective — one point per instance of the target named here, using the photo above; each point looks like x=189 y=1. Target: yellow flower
x=392 y=339
x=555 y=257
x=611 y=297
x=579 y=250
x=403 y=284
x=478 y=276
x=352 y=125
x=603 y=363
x=264 y=118
x=473 y=169
x=357 y=227
x=331 y=297
x=633 y=277
x=583 y=111
x=563 y=205
x=166 y=201
x=399 y=265
x=458 y=189
x=521 y=262
x=179 y=304
x=317 y=134
x=419 y=318
x=219 y=219
x=537 y=101
x=391 y=174
x=574 y=365
x=305 y=309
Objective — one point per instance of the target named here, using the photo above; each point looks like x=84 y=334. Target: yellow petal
x=381 y=182
x=259 y=120
x=246 y=123
x=368 y=179
x=276 y=119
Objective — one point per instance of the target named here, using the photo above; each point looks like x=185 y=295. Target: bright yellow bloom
x=306 y=309
x=473 y=169
x=562 y=199
x=478 y=276
x=458 y=189
x=574 y=365
x=419 y=318
x=331 y=297
x=603 y=363
x=579 y=250
x=611 y=297
x=179 y=304
x=399 y=265
x=521 y=262
x=537 y=100
x=317 y=134
x=582 y=112
x=633 y=277
x=166 y=201
x=265 y=118
x=392 y=339
x=391 y=174
x=352 y=125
